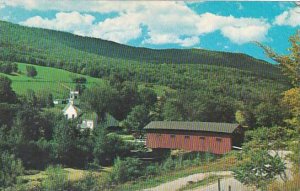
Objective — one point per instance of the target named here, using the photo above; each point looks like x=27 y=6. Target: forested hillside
x=65 y=50
x=211 y=85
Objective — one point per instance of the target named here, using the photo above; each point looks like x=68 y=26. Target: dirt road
x=181 y=182
x=225 y=182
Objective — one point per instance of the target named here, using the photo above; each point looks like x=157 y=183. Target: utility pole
x=219 y=184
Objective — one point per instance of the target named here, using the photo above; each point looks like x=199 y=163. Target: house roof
x=89 y=116
x=110 y=121
x=71 y=105
x=192 y=126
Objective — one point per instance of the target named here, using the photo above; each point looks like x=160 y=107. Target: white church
x=71 y=111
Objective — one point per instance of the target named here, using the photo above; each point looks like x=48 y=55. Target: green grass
x=56 y=81
x=223 y=164
x=74 y=175
x=48 y=79
x=205 y=181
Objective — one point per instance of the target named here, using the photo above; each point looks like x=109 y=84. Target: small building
x=88 y=120
x=217 y=138
x=71 y=111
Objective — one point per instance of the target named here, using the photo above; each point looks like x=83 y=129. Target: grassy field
x=48 y=79
x=225 y=163
x=56 y=81
x=74 y=175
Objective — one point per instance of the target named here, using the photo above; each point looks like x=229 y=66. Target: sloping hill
x=65 y=50
x=57 y=81
x=50 y=80
x=206 y=73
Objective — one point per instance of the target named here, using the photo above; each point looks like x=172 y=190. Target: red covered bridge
x=217 y=138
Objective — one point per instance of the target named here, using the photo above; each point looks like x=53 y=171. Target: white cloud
x=290 y=17
x=74 y=5
x=119 y=29
x=165 y=21
x=241 y=35
x=167 y=38
x=74 y=22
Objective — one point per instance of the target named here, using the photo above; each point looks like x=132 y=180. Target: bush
x=8 y=67
x=125 y=170
x=56 y=179
x=259 y=169
x=152 y=170
x=10 y=169
x=79 y=80
x=88 y=183
x=168 y=164
x=108 y=147
x=31 y=71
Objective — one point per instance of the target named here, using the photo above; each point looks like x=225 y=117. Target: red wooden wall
x=217 y=143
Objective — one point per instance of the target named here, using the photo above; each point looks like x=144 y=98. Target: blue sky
x=222 y=26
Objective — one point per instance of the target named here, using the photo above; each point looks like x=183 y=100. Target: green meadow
x=57 y=81
x=52 y=80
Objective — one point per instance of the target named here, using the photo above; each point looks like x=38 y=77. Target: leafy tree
x=268 y=138
x=80 y=88
x=8 y=99
x=125 y=170
x=31 y=71
x=138 y=118
x=100 y=99
x=127 y=98
x=10 y=169
x=79 y=80
x=268 y=114
x=64 y=142
x=8 y=67
x=259 y=169
x=291 y=99
x=240 y=117
x=290 y=64
x=44 y=99
x=171 y=111
x=108 y=147
x=6 y=93
x=219 y=110
x=148 y=97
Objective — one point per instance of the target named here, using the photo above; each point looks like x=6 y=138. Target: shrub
x=79 y=80
x=260 y=169
x=152 y=170
x=10 y=169
x=88 y=183
x=56 y=179
x=108 y=147
x=168 y=164
x=125 y=170
x=8 y=67
x=31 y=71
x=209 y=157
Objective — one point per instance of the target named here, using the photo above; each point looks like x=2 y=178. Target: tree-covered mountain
x=207 y=74
x=65 y=50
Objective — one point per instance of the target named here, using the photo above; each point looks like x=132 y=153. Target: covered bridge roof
x=192 y=126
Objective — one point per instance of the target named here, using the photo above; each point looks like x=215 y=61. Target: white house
x=71 y=111
x=87 y=124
